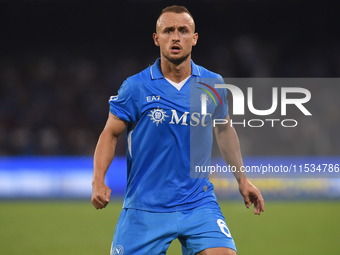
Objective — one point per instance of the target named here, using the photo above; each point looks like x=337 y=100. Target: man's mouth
x=175 y=49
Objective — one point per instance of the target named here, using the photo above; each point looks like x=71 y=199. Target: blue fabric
x=141 y=232
x=158 y=151
x=201 y=127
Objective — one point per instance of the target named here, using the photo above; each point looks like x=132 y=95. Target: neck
x=174 y=72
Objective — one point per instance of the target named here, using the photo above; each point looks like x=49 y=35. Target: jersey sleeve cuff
x=121 y=115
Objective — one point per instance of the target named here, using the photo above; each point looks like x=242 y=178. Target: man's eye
x=168 y=31
x=183 y=31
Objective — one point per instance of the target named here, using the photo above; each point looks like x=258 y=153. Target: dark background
x=60 y=61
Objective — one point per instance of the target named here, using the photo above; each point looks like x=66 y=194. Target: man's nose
x=175 y=35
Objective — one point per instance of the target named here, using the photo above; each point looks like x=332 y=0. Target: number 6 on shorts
x=224 y=228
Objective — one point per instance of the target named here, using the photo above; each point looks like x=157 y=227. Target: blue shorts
x=142 y=232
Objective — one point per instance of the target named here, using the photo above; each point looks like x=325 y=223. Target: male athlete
x=162 y=202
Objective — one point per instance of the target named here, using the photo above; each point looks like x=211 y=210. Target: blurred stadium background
x=60 y=61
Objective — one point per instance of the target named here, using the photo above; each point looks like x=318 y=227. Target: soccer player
x=161 y=201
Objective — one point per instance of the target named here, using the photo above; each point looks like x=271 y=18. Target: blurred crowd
x=53 y=102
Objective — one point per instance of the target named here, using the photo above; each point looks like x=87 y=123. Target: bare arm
x=229 y=145
x=103 y=157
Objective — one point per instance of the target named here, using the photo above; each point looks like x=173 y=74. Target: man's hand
x=251 y=195
x=100 y=195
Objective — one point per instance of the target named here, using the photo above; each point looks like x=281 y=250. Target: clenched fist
x=100 y=195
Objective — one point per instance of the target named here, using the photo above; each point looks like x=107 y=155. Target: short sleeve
x=123 y=105
x=222 y=111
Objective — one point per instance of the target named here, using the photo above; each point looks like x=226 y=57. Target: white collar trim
x=178 y=86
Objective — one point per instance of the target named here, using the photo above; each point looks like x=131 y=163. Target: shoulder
x=205 y=73
x=135 y=81
x=211 y=78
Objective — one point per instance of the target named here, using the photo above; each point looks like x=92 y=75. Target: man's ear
x=195 y=38
x=155 y=39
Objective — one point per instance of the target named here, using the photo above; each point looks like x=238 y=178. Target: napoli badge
x=207 y=98
x=117 y=250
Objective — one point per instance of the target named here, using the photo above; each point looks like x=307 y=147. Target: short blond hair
x=176 y=9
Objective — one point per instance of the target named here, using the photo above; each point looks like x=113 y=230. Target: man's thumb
x=108 y=195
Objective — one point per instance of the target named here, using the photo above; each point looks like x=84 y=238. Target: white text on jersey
x=152 y=98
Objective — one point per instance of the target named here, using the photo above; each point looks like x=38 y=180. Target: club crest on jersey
x=117 y=250
x=157 y=115
x=208 y=93
x=207 y=98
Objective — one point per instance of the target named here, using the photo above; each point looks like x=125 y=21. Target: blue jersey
x=161 y=121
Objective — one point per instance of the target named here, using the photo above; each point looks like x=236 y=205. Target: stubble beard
x=176 y=61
